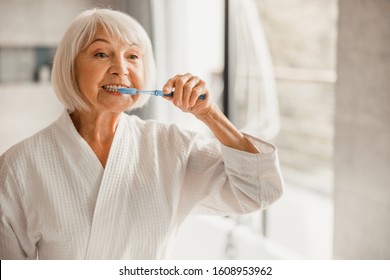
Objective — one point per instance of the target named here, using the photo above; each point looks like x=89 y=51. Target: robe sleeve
x=228 y=181
x=14 y=238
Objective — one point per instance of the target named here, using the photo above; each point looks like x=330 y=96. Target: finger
x=179 y=83
x=170 y=84
x=196 y=92
x=188 y=91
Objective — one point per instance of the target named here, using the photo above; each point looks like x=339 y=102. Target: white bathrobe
x=58 y=202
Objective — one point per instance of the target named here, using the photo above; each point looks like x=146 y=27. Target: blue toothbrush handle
x=160 y=93
x=168 y=94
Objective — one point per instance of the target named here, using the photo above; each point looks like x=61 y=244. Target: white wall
x=24 y=110
x=362 y=143
x=38 y=22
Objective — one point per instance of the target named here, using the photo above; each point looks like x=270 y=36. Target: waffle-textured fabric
x=58 y=202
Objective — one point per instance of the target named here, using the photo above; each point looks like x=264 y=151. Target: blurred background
x=311 y=76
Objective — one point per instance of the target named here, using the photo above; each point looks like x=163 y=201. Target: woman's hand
x=187 y=90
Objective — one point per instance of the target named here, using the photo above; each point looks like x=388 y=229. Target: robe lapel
x=83 y=160
x=110 y=197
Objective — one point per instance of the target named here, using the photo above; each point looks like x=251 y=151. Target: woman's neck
x=98 y=130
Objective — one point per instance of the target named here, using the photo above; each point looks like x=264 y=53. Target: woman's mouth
x=113 y=88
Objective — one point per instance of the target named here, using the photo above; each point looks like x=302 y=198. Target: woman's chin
x=117 y=103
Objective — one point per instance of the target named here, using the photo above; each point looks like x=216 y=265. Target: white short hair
x=80 y=34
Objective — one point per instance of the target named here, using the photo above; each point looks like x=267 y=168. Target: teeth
x=112 y=87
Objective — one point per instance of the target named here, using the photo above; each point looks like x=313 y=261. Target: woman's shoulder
x=34 y=144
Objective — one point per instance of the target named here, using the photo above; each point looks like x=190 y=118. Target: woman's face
x=107 y=61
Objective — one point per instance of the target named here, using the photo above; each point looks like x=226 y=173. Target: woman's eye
x=101 y=55
x=133 y=56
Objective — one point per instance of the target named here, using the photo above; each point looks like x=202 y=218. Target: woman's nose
x=119 y=67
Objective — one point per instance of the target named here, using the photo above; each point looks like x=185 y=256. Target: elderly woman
x=100 y=184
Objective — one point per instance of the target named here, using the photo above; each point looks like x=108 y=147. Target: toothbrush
x=153 y=92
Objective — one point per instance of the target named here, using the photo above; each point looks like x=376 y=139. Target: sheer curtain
x=253 y=99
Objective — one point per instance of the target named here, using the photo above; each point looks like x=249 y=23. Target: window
x=302 y=39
